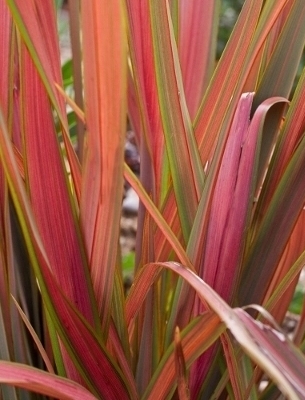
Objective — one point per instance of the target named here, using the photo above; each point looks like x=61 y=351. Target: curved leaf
x=42 y=382
x=256 y=339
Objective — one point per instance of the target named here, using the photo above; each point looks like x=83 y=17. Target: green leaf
x=67 y=73
x=184 y=160
x=297 y=301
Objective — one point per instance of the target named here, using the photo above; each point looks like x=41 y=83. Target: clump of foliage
x=220 y=241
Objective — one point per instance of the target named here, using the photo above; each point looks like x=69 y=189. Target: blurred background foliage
x=229 y=12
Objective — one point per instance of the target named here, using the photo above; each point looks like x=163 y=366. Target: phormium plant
x=221 y=238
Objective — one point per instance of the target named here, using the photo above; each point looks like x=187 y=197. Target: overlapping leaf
x=102 y=180
x=68 y=323
x=40 y=37
x=251 y=335
x=217 y=196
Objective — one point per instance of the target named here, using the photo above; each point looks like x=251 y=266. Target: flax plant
x=220 y=239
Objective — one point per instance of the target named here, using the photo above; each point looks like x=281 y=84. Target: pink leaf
x=42 y=382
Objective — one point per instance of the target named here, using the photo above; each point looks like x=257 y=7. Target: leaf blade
x=42 y=382
x=105 y=109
